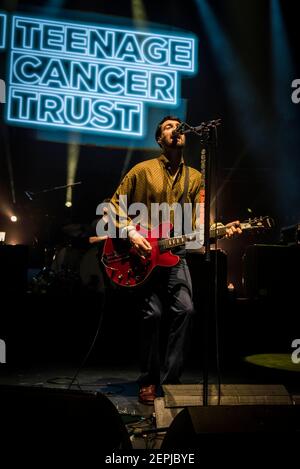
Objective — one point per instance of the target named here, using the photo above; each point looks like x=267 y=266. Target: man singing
x=166 y=179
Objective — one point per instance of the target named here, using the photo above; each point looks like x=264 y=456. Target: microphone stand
x=207 y=131
x=31 y=195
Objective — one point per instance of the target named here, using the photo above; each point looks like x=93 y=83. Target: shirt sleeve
x=120 y=202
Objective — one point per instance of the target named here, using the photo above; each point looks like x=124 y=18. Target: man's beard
x=175 y=143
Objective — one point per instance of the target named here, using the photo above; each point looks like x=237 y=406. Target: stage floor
x=119 y=385
x=48 y=336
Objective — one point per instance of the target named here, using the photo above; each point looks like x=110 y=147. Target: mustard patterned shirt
x=150 y=182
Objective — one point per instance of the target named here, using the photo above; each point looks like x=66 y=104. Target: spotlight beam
x=243 y=96
x=73 y=157
x=282 y=63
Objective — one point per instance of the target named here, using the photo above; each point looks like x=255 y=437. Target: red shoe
x=147 y=394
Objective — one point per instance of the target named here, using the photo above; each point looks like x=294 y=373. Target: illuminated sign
x=2 y=30
x=92 y=78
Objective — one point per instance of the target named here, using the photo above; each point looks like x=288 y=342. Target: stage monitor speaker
x=55 y=419
x=270 y=272
x=204 y=427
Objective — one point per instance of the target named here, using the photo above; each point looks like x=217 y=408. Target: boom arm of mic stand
x=203 y=130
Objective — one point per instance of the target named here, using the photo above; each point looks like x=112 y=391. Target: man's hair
x=166 y=118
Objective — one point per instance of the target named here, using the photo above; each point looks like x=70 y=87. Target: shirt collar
x=166 y=161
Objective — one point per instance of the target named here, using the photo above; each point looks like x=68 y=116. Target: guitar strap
x=185 y=192
x=186 y=186
x=182 y=199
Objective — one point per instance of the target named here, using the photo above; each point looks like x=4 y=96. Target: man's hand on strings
x=233 y=229
x=141 y=245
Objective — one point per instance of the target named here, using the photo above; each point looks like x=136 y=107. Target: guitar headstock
x=260 y=223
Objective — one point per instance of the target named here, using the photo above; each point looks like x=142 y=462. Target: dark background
x=248 y=58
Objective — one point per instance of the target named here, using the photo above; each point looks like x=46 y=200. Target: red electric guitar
x=127 y=268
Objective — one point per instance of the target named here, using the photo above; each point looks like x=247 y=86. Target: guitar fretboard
x=169 y=243
x=214 y=233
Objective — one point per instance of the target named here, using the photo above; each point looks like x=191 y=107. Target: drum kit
x=73 y=265
x=76 y=264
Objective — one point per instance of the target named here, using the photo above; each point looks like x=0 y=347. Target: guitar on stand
x=126 y=268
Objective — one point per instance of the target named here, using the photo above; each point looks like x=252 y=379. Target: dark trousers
x=169 y=291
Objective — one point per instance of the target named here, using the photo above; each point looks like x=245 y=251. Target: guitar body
x=126 y=268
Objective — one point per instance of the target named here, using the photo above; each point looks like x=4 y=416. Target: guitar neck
x=214 y=233
x=169 y=243
x=220 y=231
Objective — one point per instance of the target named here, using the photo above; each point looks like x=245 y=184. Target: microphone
x=202 y=129
x=179 y=130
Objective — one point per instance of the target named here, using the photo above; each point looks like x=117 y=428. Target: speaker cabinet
x=270 y=272
x=257 y=429
x=54 y=419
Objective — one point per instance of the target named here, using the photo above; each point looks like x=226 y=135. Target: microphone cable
x=85 y=358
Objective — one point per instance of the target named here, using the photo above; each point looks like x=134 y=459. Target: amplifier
x=290 y=235
x=269 y=271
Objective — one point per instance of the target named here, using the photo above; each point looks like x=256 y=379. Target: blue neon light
x=86 y=77
x=91 y=78
x=2 y=31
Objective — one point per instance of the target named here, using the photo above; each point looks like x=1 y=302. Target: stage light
x=13 y=218
x=139 y=17
x=73 y=156
x=138 y=12
x=284 y=70
x=282 y=62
